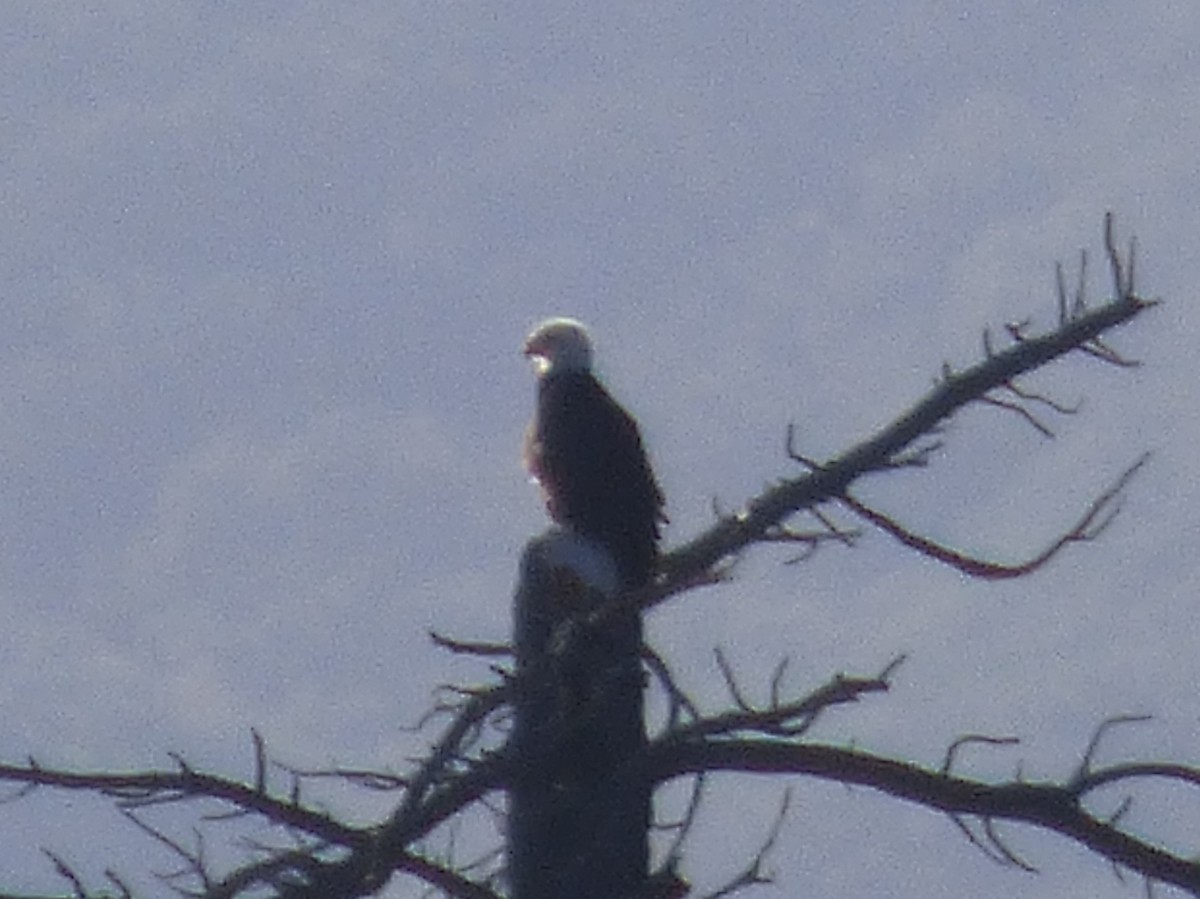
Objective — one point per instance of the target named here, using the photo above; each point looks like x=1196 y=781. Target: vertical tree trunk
x=578 y=826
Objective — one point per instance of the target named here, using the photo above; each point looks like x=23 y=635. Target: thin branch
x=1031 y=396
x=260 y=762
x=1091 y=524
x=986 y=849
x=731 y=685
x=678 y=702
x=467 y=647
x=192 y=860
x=754 y=873
x=789 y=448
x=1085 y=763
x=1134 y=770
x=967 y=739
x=1008 y=854
x=381 y=781
x=777 y=680
x=785 y=719
x=1121 y=285
x=178 y=786
x=64 y=871
x=1019 y=410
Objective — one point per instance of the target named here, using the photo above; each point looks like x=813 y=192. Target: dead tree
x=477 y=756
x=578 y=822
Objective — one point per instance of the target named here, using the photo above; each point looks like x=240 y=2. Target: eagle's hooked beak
x=534 y=351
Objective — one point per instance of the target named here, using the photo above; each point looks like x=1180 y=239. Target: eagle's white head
x=559 y=344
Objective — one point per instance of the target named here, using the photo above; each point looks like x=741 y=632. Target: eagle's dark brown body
x=586 y=452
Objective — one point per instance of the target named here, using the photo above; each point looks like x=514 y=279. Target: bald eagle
x=587 y=454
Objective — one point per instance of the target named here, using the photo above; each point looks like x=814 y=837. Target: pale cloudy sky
x=266 y=268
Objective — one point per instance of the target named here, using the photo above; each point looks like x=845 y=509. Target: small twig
x=1120 y=811
x=470 y=647
x=889 y=669
x=845 y=537
x=730 y=682
x=1020 y=410
x=691 y=813
x=260 y=762
x=988 y=851
x=1079 y=307
x=64 y=870
x=1100 y=350
x=678 y=701
x=789 y=448
x=1085 y=764
x=1093 y=779
x=1121 y=286
x=1030 y=396
x=1061 y=285
x=917 y=457
x=120 y=884
x=966 y=739
x=1011 y=857
x=382 y=781
x=193 y=860
x=777 y=680
x=753 y=874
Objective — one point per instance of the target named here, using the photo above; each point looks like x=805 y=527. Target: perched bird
x=579 y=813
x=587 y=454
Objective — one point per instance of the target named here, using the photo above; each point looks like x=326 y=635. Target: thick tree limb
x=1054 y=807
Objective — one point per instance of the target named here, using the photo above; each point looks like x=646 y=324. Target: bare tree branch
x=829 y=481
x=754 y=874
x=1051 y=806
x=1090 y=525
x=187 y=784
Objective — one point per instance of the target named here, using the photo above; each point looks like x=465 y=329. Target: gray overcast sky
x=266 y=268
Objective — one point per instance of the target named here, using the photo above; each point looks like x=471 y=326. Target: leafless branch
x=731 y=685
x=789 y=448
x=1100 y=777
x=1031 y=396
x=989 y=828
x=785 y=719
x=137 y=788
x=1050 y=806
x=1098 y=515
x=382 y=781
x=1020 y=411
x=830 y=480
x=467 y=647
x=1089 y=754
x=64 y=870
x=754 y=874
x=678 y=702
x=986 y=849
x=952 y=750
x=193 y=860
